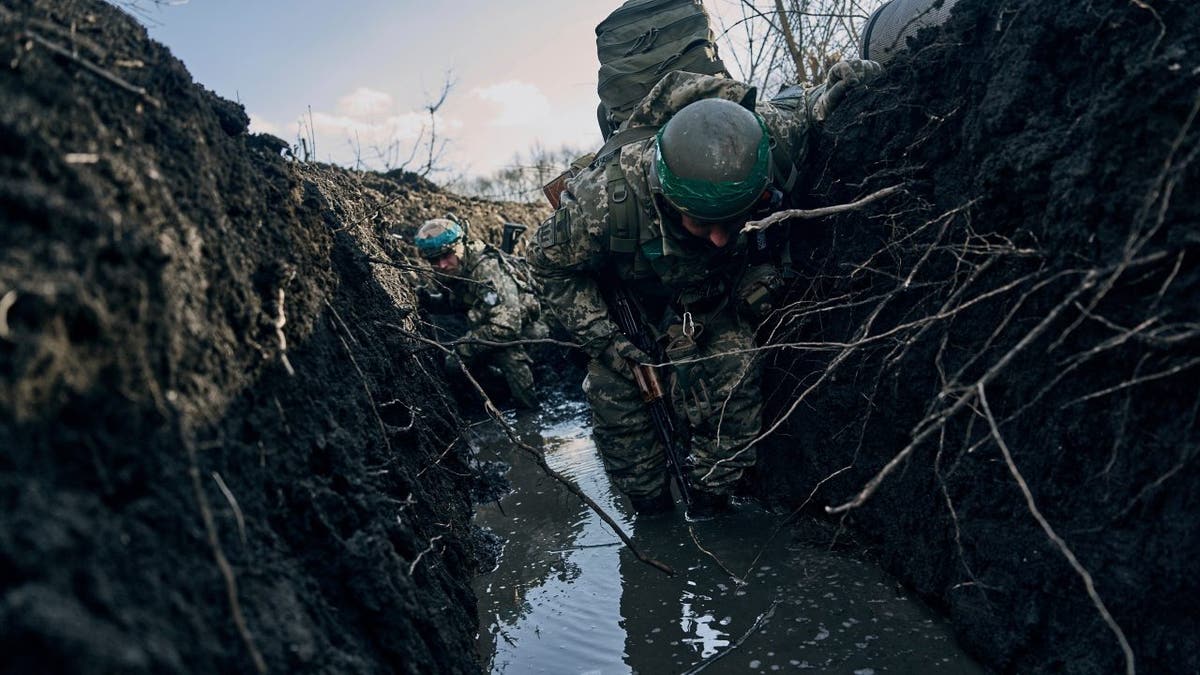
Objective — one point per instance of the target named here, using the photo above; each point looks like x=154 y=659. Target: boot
x=707 y=505
x=648 y=506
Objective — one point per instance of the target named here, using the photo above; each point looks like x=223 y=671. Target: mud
x=1045 y=248
x=221 y=450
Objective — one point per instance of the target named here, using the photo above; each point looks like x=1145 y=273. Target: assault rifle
x=625 y=313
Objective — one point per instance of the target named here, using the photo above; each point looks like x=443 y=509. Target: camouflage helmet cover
x=712 y=159
x=435 y=238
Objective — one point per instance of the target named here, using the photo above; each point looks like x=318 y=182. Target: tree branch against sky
x=773 y=43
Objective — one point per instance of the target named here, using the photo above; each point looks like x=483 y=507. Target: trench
x=567 y=597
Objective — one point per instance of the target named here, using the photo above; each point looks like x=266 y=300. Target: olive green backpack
x=643 y=40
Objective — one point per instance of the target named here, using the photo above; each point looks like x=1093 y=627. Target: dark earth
x=224 y=446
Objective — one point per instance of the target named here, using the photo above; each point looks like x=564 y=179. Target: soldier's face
x=448 y=263
x=717 y=234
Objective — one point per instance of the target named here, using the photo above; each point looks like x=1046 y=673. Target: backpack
x=638 y=44
x=643 y=40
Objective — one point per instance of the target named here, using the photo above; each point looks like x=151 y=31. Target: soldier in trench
x=662 y=217
x=500 y=305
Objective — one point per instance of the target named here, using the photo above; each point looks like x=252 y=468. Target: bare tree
x=522 y=179
x=435 y=146
x=772 y=43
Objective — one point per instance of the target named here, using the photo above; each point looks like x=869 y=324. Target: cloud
x=520 y=103
x=400 y=127
x=367 y=129
x=365 y=102
x=259 y=125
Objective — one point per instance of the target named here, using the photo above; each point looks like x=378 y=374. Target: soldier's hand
x=427 y=297
x=452 y=365
x=844 y=76
x=620 y=354
x=758 y=292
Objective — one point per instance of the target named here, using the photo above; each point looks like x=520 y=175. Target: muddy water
x=568 y=598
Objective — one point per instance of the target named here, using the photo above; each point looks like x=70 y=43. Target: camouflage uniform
x=500 y=307
x=670 y=273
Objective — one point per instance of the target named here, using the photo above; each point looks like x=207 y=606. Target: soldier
x=498 y=300
x=661 y=216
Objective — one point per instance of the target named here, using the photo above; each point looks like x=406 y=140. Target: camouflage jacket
x=576 y=249
x=499 y=304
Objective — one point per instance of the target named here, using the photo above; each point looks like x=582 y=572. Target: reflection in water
x=568 y=598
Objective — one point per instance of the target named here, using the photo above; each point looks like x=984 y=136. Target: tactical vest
x=518 y=271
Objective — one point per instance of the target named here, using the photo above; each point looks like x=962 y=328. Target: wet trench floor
x=567 y=597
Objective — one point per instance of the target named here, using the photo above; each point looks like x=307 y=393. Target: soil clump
x=223 y=450
x=1025 y=312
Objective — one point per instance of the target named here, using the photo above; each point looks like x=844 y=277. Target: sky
x=523 y=72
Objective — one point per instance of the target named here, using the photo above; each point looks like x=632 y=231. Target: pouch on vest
x=554 y=189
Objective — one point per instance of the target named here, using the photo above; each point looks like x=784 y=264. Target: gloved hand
x=843 y=76
x=617 y=355
x=427 y=297
x=452 y=365
x=758 y=291
x=467 y=349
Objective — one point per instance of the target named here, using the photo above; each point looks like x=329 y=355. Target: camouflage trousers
x=511 y=363
x=717 y=397
x=517 y=369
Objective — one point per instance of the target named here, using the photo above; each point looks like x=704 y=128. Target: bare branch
x=809 y=214
x=538 y=457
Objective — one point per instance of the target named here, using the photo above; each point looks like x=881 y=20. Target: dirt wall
x=222 y=451
x=1033 y=287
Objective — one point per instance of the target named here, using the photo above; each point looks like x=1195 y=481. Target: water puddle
x=567 y=597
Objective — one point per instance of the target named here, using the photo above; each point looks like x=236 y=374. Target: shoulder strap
x=786 y=172
x=622 y=211
x=624 y=137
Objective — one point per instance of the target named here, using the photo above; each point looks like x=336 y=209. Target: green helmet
x=713 y=160
x=435 y=238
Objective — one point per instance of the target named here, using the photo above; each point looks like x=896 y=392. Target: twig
x=280 y=322
x=412 y=414
x=736 y=579
x=370 y=399
x=494 y=412
x=753 y=627
x=795 y=512
x=512 y=343
x=424 y=269
x=233 y=503
x=1130 y=668
x=492 y=343
x=790 y=39
x=413 y=566
x=808 y=214
x=210 y=528
x=440 y=457
x=341 y=321
x=94 y=69
x=6 y=303
x=582 y=546
x=935 y=421
x=1138 y=380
